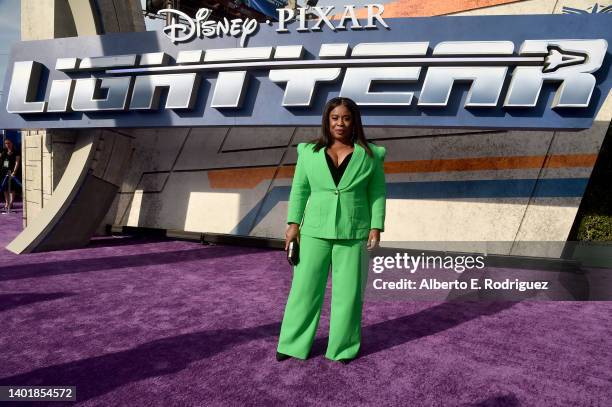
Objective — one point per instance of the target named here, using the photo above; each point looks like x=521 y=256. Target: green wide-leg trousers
x=349 y=261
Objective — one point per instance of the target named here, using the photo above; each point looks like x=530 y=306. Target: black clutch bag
x=293 y=252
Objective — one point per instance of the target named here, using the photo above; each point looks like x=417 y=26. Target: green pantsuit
x=349 y=260
x=336 y=224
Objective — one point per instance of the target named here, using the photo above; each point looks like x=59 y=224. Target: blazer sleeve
x=300 y=189
x=377 y=191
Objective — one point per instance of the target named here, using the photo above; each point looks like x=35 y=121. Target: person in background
x=10 y=160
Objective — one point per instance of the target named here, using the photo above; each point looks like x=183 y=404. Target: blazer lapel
x=352 y=167
x=322 y=165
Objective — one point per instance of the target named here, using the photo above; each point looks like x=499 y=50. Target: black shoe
x=345 y=361
x=281 y=356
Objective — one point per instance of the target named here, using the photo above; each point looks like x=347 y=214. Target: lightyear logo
x=135 y=82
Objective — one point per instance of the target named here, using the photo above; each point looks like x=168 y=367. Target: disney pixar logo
x=182 y=28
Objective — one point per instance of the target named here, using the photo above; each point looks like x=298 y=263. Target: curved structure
x=44 y=226
x=93 y=174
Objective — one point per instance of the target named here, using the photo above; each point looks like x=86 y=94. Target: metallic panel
x=333 y=50
x=85 y=91
x=190 y=57
x=60 y=95
x=389 y=49
x=229 y=89
x=66 y=64
x=182 y=89
x=107 y=62
x=357 y=83
x=289 y=52
x=154 y=59
x=262 y=105
x=474 y=48
x=301 y=83
x=237 y=54
x=577 y=81
x=485 y=88
x=24 y=88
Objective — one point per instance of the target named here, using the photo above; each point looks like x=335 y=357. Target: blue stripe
x=506 y=188
x=501 y=188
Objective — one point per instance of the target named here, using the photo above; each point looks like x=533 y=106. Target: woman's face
x=341 y=123
x=8 y=144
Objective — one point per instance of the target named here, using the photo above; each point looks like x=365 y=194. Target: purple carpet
x=145 y=322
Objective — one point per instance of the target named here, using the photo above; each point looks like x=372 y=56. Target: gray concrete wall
x=48 y=155
x=237 y=180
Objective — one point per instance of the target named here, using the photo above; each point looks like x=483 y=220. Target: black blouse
x=8 y=161
x=337 y=172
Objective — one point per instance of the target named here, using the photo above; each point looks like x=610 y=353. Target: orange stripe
x=571 y=160
x=251 y=177
x=239 y=177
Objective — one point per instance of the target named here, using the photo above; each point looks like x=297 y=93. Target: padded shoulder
x=301 y=147
x=383 y=152
x=379 y=151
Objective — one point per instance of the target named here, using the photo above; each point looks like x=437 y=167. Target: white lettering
x=179 y=31
x=375 y=16
x=349 y=13
x=323 y=18
x=284 y=15
x=174 y=28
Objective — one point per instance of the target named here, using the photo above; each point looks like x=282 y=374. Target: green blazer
x=348 y=211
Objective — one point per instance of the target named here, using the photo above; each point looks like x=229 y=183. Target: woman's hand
x=373 y=239
x=293 y=232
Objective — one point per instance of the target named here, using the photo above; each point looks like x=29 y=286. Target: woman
x=341 y=176
x=10 y=160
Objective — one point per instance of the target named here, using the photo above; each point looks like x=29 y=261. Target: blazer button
x=336 y=192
